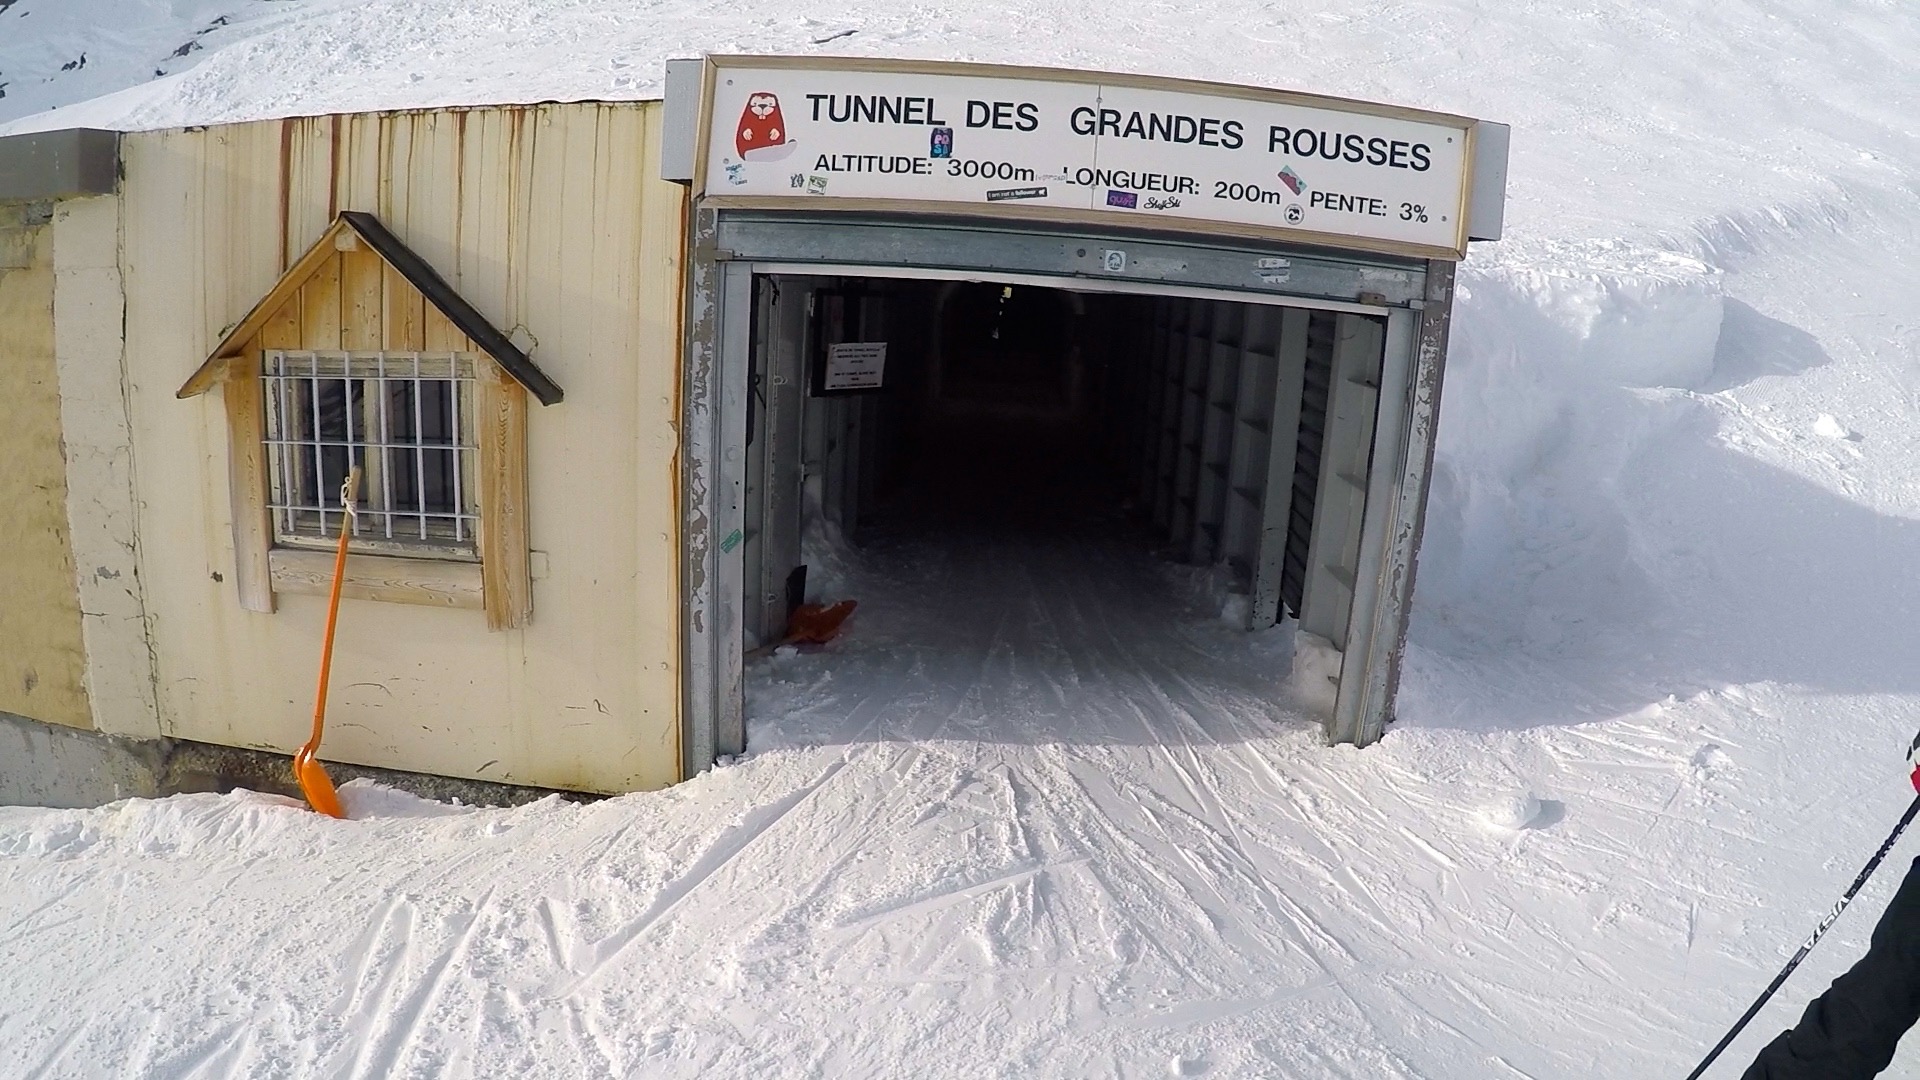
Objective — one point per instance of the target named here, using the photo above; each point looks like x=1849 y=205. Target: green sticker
x=732 y=541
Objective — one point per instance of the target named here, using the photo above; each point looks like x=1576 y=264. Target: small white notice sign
x=855 y=365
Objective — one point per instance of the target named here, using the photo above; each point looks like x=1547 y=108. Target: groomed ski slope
x=1667 y=596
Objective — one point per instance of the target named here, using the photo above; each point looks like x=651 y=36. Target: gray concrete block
x=47 y=765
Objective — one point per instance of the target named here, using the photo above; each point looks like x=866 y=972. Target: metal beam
x=1430 y=369
x=994 y=251
x=1370 y=673
x=680 y=127
x=1487 y=199
x=699 y=502
x=1348 y=460
x=1283 y=444
x=59 y=164
x=730 y=505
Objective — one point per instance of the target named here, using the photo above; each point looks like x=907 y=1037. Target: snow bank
x=1604 y=313
x=1315 y=677
x=1527 y=546
x=1631 y=120
x=194 y=825
x=833 y=565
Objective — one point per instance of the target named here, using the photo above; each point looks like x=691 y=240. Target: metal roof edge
x=454 y=306
x=62 y=164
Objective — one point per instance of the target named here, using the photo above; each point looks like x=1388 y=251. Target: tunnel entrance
x=1239 y=335
x=1084 y=408
x=996 y=428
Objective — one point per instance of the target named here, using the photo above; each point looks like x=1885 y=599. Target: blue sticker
x=942 y=142
x=1125 y=199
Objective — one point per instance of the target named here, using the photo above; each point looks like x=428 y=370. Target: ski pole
x=1866 y=872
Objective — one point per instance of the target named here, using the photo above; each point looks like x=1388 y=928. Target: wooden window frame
x=500 y=583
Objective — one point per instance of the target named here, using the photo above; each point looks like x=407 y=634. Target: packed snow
x=1662 y=670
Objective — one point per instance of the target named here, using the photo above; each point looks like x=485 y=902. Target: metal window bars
x=406 y=419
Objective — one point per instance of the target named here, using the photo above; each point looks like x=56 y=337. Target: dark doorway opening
x=1019 y=434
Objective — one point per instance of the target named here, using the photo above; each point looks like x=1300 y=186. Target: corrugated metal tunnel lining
x=1306 y=473
x=1216 y=425
x=1211 y=414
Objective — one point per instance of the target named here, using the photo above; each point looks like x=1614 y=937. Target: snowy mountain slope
x=1667 y=591
x=1636 y=119
x=57 y=52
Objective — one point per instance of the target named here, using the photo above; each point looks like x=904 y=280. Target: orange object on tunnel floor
x=813 y=624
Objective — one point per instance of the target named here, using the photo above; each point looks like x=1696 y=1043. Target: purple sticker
x=1125 y=199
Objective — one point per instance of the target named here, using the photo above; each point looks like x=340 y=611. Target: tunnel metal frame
x=728 y=248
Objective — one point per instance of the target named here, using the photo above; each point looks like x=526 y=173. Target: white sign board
x=855 y=365
x=951 y=134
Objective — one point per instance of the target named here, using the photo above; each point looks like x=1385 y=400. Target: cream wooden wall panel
x=362 y=162
x=580 y=302
x=488 y=219
x=42 y=652
x=550 y=221
x=427 y=189
x=246 y=252
x=309 y=164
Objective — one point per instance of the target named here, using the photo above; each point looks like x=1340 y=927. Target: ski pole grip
x=1913 y=759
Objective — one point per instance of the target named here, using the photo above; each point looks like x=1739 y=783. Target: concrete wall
x=49 y=765
x=551 y=221
x=42 y=658
x=89 y=325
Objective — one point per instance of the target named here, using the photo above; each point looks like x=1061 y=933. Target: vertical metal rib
x=386 y=446
x=319 y=466
x=453 y=405
x=419 y=452
x=280 y=438
x=346 y=408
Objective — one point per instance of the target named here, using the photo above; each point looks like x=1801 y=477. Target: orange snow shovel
x=814 y=624
x=307 y=770
x=811 y=624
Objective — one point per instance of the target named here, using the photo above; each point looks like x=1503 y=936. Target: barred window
x=407 y=421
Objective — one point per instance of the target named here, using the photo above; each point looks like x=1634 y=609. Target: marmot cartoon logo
x=762 y=135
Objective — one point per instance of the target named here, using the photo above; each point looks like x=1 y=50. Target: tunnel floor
x=1003 y=598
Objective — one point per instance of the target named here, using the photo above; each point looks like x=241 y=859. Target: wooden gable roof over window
x=359 y=289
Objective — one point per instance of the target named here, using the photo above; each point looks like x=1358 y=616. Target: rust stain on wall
x=286 y=194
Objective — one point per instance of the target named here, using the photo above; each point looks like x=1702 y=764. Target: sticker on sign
x=856 y=365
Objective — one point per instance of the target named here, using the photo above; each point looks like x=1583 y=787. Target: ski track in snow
x=1016 y=831
x=1665 y=591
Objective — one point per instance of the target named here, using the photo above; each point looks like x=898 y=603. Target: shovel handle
x=347 y=490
